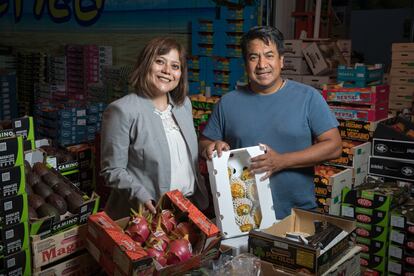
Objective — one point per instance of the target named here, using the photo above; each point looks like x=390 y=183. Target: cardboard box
x=47 y=226
x=367 y=114
x=405 y=64
x=402 y=80
x=270 y=244
x=16 y=264
x=12 y=181
x=235 y=161
x=333 y=185
x=295 y=66
x=58 y=246
x=111 y=242
x=393 y=148
x=13 y=210
x=396 y=128
x=392 y=168
x=402 y=47
x=293 y=47
x=354 y=154
x=82 y=264
x=297 y=78
x=401 y=72
x=364 y=96
x=14 y=238
x=323 y=58
x=357 y=130
x=318 y=81
x=11 y=152
x=402 y=55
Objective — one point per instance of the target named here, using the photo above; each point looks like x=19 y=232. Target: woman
x=149 y=145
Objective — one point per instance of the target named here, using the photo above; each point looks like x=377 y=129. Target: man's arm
x=328 y=146
x=207 y=146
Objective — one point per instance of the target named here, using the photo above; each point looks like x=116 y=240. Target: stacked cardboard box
x=371 y=205
x=393 y=150
x=8 y=96
x=14 y=222
x=401 y=250
x=402 y=77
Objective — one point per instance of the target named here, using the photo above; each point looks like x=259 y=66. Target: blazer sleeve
x=115 y=144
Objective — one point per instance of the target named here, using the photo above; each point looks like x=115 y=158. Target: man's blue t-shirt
x=287 y=121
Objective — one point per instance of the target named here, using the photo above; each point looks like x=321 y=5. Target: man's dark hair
x=267 y=34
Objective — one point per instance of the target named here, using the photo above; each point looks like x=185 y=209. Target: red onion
x=180 y=251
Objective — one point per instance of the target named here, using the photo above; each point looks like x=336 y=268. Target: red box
x=365 y=95
x=366 y=114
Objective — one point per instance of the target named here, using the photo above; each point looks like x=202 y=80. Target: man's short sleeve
x=321 y=118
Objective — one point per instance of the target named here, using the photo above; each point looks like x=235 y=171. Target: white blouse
x=182 y=175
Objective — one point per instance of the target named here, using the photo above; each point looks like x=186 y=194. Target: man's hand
x=218 y=145
x=269 y=162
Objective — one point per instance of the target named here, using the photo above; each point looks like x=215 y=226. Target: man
x=291 y=120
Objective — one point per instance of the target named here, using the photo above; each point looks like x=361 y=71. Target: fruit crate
x=360 y=75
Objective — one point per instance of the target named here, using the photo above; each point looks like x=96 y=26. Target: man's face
x=263 y=66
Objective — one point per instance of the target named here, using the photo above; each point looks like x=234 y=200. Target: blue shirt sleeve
x=321 y=118
x=214 y=129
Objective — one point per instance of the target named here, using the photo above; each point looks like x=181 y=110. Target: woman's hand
x=150 y=206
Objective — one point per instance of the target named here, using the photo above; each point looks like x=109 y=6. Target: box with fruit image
x=372 y=247
x=55 y=204
x=242 y=201
x=178 y=238
x=333 y=180
x=373 y=262
x=354 y=154
x=16 y=264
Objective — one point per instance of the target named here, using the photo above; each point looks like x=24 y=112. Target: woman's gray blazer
x=135 y=155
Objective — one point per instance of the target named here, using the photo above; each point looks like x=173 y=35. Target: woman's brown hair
x=140 y=75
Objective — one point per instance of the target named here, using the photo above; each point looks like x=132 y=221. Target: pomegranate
x=180 y=251
x=138 y=228
x=159 y=256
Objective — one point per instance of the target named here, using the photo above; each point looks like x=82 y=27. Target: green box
x=11 y=152
x=13 y=210
x=16 y=264
x=14 y=238
x=12 y=181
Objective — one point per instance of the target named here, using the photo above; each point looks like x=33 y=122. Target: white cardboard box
x=318 y=81
x=220 y=187
x=295 y=66
x=323 y=58
x=293 y=48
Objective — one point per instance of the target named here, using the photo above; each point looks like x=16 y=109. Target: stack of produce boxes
x=220 y=39
x=14 y=224
x=202 y=108
x=353 y=107
x=401 y=250
x=294 y=63
x=57 y=212
x=23 y=126
x=393 y=150
x=402 y=77
x=349 y=106
x=30 y=74
x=198 y=77
x=8 y=95
x=371 y=205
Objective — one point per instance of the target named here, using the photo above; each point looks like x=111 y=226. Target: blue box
x=245 y=13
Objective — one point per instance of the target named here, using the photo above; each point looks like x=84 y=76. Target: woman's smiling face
x=165 y=72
